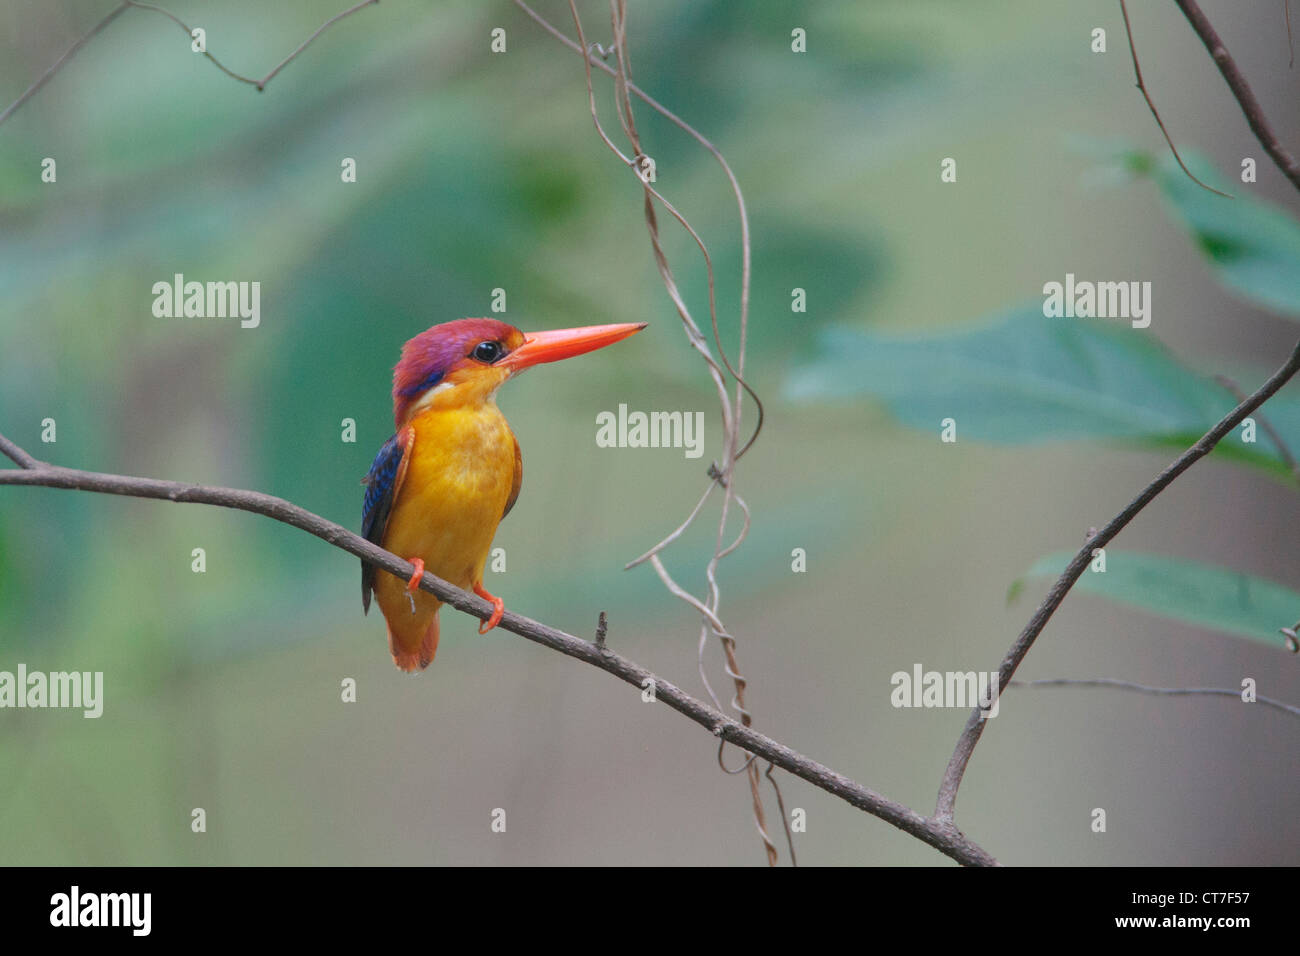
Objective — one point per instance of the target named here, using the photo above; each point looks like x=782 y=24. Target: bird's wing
x=519 y=480
x=382 y=485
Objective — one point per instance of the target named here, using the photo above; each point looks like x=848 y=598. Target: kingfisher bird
x=440 y=486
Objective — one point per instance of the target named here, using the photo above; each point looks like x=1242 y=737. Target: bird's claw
x=499 y=608
x=413 y=585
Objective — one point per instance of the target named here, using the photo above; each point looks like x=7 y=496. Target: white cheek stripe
x=427 y=398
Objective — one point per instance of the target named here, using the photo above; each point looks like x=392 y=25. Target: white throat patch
x=427 y=398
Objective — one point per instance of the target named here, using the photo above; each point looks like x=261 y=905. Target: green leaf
x=1253 y=247
x=1207 y=596
x=1026 y=378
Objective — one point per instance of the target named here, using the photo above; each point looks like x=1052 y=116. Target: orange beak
x=559 y=344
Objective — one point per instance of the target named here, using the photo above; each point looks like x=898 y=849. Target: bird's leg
x=497 y=603
x=413 y=585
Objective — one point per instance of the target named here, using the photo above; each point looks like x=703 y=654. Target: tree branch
x=122 y=7
x=970 y=735
x=716 y=153
x=1254 y=113
x=1291 y=169
x=943 y=836
x=731 y=414
x=1279 y=442
x=58 y=64
x=1283 y=706
x=1142 y=86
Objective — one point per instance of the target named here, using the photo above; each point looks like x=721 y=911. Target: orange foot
x=497 y=603
x=413 y=585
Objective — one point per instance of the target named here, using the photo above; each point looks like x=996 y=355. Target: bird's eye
x=487 y=352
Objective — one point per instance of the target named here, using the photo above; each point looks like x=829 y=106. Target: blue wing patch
x=382 y=484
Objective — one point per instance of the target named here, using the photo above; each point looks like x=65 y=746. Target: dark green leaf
x=1253 y=247
x=1026 y=378
x=1211 y=597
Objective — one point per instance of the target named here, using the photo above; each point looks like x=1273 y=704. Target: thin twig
x=190 y=33
x=1291 y=709
x=666 y=113
x=618 y=12
x=1290 y=44
x=1278 y=442
x=785 y=818
x=975 y=724
x=58 y=64
x=17 y=455
x=120 y=8
x=730 y=414
x=252 y=81
x=943 y=837
x=1141 y=85
x=261 y=85
x=1250 y=107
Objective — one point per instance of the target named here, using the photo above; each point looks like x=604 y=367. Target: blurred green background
x=479 y=170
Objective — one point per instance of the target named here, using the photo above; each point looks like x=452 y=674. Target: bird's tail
x=414 y=645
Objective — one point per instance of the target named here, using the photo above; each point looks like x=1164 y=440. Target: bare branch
x=261 y=85
x=785 y=817
x=120 y=8
x=252 y=81
x=731 y=414
x=1250 y=107
x=666 y=113
x=1279 y=442
x=942 y=836
x=58 y=64
x=1290 y=43
x=1291 y=709
x=975 y=723
x=17 y=455
x=1141 y=85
